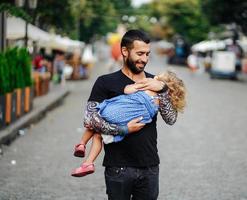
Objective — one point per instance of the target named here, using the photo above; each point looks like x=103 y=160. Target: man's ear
x=125 y=51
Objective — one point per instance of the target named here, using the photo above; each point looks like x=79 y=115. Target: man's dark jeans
x=125 y=183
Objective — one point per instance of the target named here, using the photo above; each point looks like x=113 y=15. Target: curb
x=11 y=132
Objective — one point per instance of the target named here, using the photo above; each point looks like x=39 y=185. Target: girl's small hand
x=151 y=84
x=129 y=89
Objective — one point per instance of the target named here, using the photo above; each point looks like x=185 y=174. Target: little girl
x=121 y=109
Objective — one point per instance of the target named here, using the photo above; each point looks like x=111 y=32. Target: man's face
x=137 y=57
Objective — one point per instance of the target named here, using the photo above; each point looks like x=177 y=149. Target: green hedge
x=15 y=70
x=4 y=75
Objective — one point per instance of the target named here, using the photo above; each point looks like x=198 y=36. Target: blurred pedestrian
x=37 y=61
x=116 y=56
x=59 y=64
x=192 y=62
x=238 y=51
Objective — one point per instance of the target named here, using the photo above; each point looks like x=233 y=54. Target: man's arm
x=168 y=113
x=92 y=120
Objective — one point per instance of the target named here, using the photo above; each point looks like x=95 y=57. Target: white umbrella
x=16 y=30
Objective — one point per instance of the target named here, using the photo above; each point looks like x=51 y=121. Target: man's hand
x=134 y=125
x=150 y=84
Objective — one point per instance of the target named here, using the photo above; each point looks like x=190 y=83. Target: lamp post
x=27 y=4
x=2 y=30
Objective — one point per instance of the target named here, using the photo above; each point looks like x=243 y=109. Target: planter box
x=18 y=102
x=2 y=111
x=44 y=86
x=244 y=65
x=22 y=101
x=8 y=99
x=28 y=99
x=36 y=83
x=31 y=98
x=42 y=82
x=27 y=91
x=13 y=107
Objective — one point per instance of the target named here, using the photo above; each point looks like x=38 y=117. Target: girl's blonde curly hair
x=176 y=89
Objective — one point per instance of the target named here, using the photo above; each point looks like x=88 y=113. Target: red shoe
x=83 y=170
x=80 y=150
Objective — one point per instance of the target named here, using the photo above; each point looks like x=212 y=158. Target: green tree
x=10 y=7
x=76 y=7
x=183 y=16
x=96 y=19
x=142 y=15
x=4 y=75
x=56 y=15
x=225 y=12
x=122 y=7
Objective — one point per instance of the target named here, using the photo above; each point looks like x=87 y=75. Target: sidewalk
x=41 y=105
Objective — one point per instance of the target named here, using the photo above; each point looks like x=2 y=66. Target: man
x=132 y=170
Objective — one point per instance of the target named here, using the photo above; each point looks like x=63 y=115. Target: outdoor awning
x=16 y=30
x=62 y=43
x=209 y=45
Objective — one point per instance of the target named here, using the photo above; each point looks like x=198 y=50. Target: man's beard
x=132 y=66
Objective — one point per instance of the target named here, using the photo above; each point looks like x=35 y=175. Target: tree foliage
x=97 y=18
x=88 y=19
x=143 y=15
x=53 y=14
x=184 y=17
x=15 y=11
x=225 y=12
x=79 y=19
x=122 y=7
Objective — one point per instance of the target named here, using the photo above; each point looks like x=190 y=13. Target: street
x=203 y=155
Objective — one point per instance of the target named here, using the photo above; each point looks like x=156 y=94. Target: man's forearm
x=94 y=121
x=168 y=113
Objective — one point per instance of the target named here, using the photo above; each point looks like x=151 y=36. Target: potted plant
x=19 y=80
x=11 y=57
x=2 y=111
x=45 y=81
x=25 y=63
x=36 y=78
x=6 y=87
x=15 y=84
x=3 y=89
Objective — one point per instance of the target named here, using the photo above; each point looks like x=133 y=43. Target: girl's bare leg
x=88 y=134
x=87 y=167
x=95 y=148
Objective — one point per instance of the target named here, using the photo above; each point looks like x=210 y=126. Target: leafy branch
x=15 y=11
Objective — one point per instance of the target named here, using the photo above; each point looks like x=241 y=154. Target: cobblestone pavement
x=203 y=156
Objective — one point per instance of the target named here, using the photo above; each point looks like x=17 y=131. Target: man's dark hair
x=132 y=35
